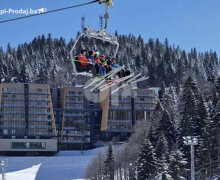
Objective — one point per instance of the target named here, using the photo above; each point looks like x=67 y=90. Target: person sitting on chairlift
x=85 y=64
x=98 y=63
x=102 y=68
x=122 y=73
x=108 y=67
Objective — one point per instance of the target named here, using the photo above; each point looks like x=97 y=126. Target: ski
x=116 y=82
x=104 y=79
x=127 y=83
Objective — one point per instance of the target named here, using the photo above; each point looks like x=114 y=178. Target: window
x=5 y=131
x=39 y=90
x=13 y=131
x=28 y=145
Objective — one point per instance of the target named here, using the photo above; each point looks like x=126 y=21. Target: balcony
x=74 y=102
x=69 y=128
x=74 y=141
x=40 y=106
x=13 y=105
x=125 y=101
x=40 y=120
x=144 y=108
x=74 y=95
x=38 y=93
x=120 y=108
x=74 y=115
x=120 y=121
x=145 y=95
x=39 y=113
x=40 y=99
x=12 y=99
x=12 y=126
x=42 y=134
x=12 y=92
x=144 y=102
x=119 y=130
x=12 y=119
x=41 y=126
x=12 y=112
x=74 y=108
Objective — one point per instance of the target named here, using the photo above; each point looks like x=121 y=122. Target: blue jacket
x=116 y=65
x=91 y=58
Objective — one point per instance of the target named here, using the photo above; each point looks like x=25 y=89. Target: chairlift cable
x=52 y=11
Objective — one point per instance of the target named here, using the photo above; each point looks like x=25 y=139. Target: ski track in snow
x=65 y=165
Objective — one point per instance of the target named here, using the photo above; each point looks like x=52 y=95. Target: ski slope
x=66 y=165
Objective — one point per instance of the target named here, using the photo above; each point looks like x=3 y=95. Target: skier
x=85 y=64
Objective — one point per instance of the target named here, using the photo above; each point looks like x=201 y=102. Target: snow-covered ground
x=66 y=165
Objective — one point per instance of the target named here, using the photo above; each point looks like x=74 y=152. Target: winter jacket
x=97 y=60
x=83 y=59
x=116 y=65
x=91 y=58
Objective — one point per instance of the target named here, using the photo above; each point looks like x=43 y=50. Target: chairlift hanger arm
x=106 y=16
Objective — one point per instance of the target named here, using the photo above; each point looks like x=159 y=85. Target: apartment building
x=35 y=117
x=82 y=115
x=75 y=131
x=27 y=122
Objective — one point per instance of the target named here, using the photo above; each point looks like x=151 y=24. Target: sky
x=188 y=23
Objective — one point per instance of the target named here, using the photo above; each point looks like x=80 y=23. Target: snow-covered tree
x=109 y=163
x=177 y=166
x=147 y=163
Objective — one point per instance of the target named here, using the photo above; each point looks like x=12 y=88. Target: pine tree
x=162 y=147
x=147 y=162
x=168 y=128
x=161 y=92
x=177 y=165
x=23 y=76
x=109 y=163
x=42 y=76
x=164 y=171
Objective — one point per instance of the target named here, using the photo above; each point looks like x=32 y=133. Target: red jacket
x=83 y=59
x=97 y=60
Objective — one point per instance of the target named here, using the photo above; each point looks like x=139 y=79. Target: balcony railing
x=40 y=99
x=74 y=102
x=41 y=126
x=74 y=108
x=13 y=105
x=12 y=99
x=119 y=121
x=143 y=102
x=74 y=141
x=12 y=126
x=40 y=120
x=144 y=108
x=42 y=134
x=38 y=93
x=145 y=95
x=120 y=108
x=119 y=130
x=74 y=115
x=39 y=113
x=74 y=95
x=12 y=119
x=40 y=106
x=12 y=112
x=12 y=92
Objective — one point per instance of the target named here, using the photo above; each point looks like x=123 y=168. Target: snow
x=65 y=165
x=29 y=174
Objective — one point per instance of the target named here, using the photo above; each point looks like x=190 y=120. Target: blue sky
x=188 y=23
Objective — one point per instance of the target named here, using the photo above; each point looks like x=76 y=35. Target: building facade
x=27 y=120
x=35 y=117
